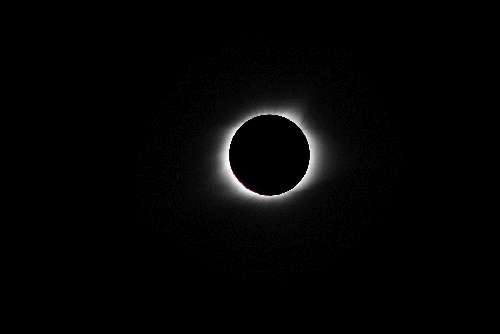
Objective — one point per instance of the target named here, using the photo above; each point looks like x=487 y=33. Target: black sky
x=354 y=223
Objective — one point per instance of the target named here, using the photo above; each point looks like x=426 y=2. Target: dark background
x=355 y=226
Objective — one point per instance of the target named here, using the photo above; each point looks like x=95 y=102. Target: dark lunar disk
x=269 y=155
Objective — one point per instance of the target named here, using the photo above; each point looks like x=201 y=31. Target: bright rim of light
x=316 y=162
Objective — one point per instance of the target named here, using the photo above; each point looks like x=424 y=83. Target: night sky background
x=353 y=226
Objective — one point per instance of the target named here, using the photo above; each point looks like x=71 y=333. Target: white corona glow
x=317 y=161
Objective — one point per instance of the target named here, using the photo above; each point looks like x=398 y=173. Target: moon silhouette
x=269 y=155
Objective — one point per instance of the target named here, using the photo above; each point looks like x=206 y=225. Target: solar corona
x=270 y=155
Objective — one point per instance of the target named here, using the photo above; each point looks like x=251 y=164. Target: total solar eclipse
x=268 y=160
x=269 y=155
